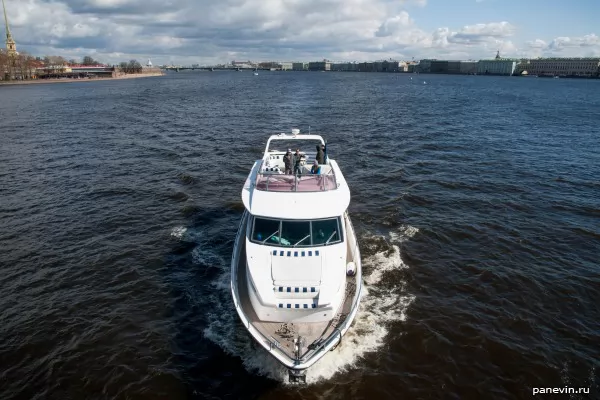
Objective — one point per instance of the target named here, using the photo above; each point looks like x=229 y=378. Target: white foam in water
x=379 y=307
x=382 y=263
x=178 y=231
x=186 y=235
x=405 y=232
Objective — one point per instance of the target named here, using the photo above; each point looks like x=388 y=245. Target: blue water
x=476 y=200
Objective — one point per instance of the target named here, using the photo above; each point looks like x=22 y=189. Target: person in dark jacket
x=297 y=158
x=287 y=161
x=320 y=154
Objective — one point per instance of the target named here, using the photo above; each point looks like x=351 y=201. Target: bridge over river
x=177 y=69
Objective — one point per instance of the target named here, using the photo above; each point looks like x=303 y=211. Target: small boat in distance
x=296 y=272
x=255 y=71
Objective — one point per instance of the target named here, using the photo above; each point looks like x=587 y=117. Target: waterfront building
x=581 y=67
x=425 y=65
x=146 y=69
x=453 y=67
x=468 y=67
x=345 y=66
x=446 y=66
x=79 y=71
x=242 y=64
x=497 y=66
x=339 y=66
x=413 y=67
x=388 y=66
x=270 y=65
x=438 y=67
x=377 y=66
x=366 y=67
x=299 y=66
x=286 y=66
x=319 y=65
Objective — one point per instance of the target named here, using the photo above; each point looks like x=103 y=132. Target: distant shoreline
x=67 y=80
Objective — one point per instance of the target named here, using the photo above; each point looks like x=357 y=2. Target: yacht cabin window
x=296 y=233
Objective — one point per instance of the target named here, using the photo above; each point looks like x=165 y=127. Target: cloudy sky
x=210 y=31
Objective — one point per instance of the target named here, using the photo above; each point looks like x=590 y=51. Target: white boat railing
x=274 y=182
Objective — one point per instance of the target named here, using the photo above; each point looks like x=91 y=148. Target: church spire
x=11 y=46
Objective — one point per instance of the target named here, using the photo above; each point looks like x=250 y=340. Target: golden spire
x=11 y=46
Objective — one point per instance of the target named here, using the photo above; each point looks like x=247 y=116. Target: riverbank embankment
x=96 y=79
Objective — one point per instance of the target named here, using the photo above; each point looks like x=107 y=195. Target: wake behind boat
x=296 y=274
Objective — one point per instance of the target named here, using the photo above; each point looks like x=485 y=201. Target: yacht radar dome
x=295 y=131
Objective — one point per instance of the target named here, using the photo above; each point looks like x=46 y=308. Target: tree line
x=21 y=66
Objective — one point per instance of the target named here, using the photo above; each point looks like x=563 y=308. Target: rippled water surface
x=476 y=201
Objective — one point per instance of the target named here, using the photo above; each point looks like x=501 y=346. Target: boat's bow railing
x=277 y=182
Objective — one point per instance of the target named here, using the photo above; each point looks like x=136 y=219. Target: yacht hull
x=296 y=345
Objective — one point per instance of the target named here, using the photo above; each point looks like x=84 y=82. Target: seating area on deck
x=272 y=176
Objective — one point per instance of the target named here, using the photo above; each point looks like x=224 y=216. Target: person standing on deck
x=287 y=161
x=297 y=158
x=320 y=154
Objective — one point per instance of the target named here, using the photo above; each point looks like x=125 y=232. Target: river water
x=476 y=201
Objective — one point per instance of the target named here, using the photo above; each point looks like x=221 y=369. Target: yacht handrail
x=270 y=182
x=355 y=248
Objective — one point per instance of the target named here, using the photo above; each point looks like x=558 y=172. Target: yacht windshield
x=325 y=229
x=294 y=233
x=265 y=229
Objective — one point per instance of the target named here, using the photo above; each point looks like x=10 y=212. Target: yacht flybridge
x=296 y=275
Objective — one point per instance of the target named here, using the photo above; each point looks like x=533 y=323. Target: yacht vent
x=289 y=289
x=303 y=253
x=298 y=305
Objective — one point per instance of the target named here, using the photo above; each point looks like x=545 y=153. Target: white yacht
x=296 y=274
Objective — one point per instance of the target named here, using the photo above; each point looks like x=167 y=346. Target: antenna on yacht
x=309 y=129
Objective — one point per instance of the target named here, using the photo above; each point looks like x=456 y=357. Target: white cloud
x=394 y=25
x=584 y=46
x=537 y=44
x=207 y=31
x=561 y=43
